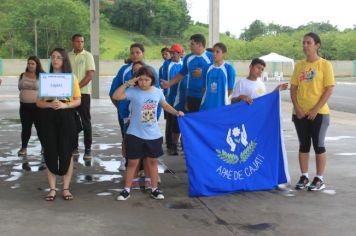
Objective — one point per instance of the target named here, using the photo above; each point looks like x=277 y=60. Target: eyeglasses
x=56 y=58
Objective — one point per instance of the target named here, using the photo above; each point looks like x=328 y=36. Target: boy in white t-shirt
x=252 y=87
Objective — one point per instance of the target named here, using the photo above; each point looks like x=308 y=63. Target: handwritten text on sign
x=56 y=85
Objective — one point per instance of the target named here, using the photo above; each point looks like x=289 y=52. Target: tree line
x=149 y=17
x=260 y=38
x=37 y=26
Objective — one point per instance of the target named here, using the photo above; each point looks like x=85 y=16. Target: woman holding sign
x=57 y=118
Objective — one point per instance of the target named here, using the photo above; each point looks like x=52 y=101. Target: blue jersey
x=144 y=105
x=157 y=85
x=179 y=102
x=160 y=75
x=125 y=74
x=191 y=62
x=170 y=69
x=218 y=80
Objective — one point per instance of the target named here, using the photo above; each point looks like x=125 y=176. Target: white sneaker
x=124 y=195
x=157 y=194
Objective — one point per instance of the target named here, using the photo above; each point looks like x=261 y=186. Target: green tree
x=328 y=48
x=318 y=27
x=152 y=17
x=274 y=29
x=133 y=15
x=345 y=46
x=53 y=21
x=257 y=28
x=170 y=17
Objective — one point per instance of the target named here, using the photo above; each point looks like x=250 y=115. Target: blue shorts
x=138 y=148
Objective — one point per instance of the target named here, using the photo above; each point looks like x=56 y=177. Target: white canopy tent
x=276 y=58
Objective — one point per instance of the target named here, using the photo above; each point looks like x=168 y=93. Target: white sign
x=56 y=85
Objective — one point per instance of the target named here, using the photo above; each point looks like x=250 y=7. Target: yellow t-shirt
x=81 y=63
x=76 y=88
x=311 y=80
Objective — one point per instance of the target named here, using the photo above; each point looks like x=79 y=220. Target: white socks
x=306 y=175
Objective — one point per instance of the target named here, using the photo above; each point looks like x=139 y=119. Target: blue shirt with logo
x=180 y=99
x=218 y=80
x=170 y=69
x=160 y=75
x=191 y=62
x=124 y=74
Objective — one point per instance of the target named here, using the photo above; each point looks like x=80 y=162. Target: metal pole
x=1 y=65
x=36 y=38
x=214 y=20
x=94 y=44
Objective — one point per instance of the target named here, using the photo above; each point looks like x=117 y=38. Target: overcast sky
x=235 y=15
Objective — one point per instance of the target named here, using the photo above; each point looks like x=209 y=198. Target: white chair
x=265 y=76
x=281 y=75
x=275 y=75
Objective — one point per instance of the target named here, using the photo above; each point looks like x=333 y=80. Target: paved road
x=342 y=99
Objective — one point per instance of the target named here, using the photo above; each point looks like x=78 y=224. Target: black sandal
x=50 y=198
x=67 y=197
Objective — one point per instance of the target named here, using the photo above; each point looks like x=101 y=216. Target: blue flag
x=235 y=148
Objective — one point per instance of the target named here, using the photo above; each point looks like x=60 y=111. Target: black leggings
x=59 y=136
x=29 y=114
x=312 y=130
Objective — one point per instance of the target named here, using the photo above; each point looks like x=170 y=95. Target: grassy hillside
x=115 y=42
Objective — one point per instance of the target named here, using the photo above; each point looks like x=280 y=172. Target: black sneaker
x=124 y=195
x=157 y=194
x=26 y=166
x=316 y=185
x=22 y=152
x=75 y=152
x=172 y=151
x=87 y=154
x=42 y=166
x=302 y=183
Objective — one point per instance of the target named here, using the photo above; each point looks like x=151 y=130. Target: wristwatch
x=127 y=84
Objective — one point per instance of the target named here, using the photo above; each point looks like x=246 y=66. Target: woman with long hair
x=59 y=129
x=312 y=84
x=29 y=112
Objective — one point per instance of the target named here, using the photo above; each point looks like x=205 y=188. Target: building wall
x=14 y=67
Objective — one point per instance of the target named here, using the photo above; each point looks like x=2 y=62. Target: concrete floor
x=94 y=211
